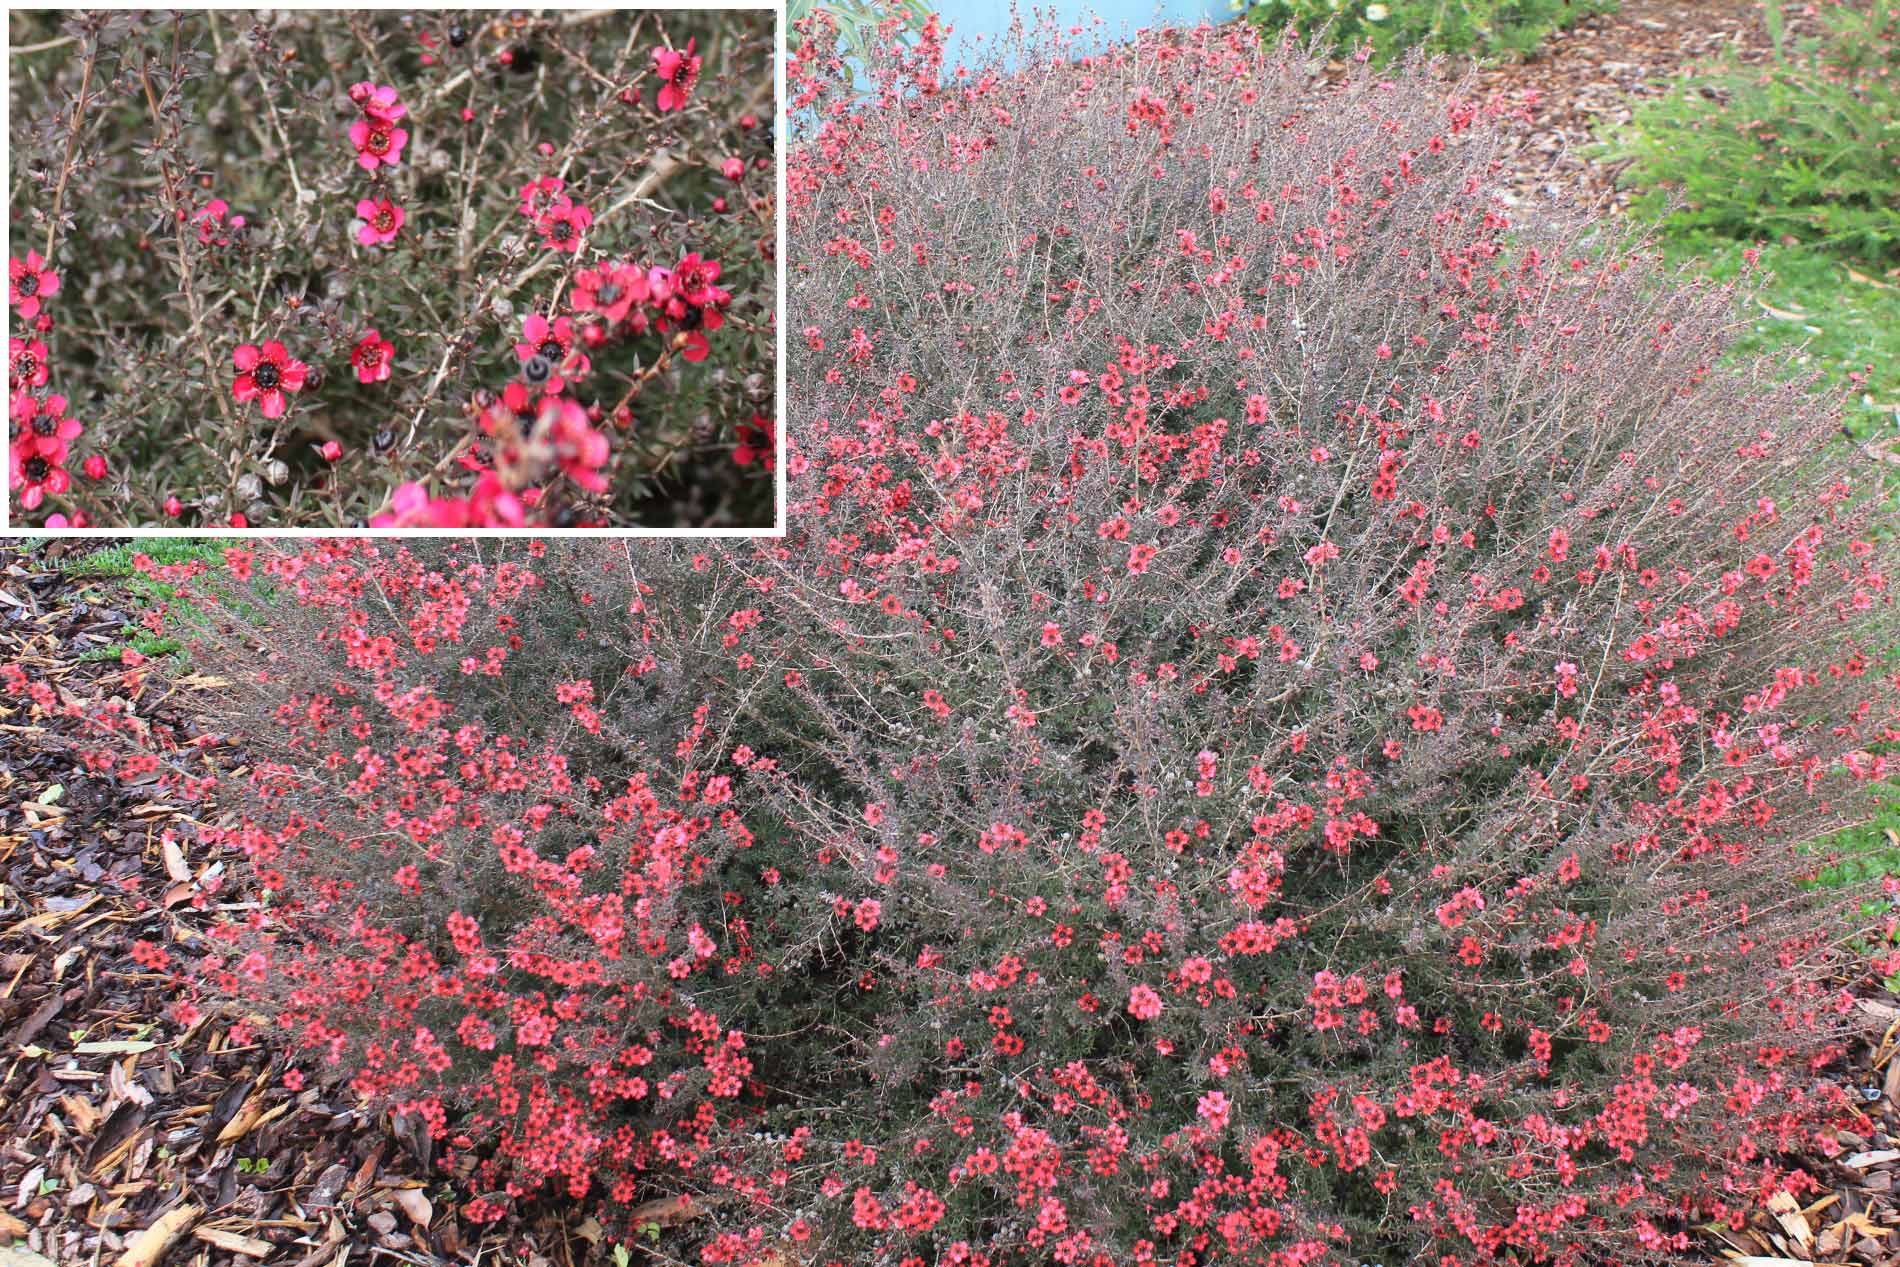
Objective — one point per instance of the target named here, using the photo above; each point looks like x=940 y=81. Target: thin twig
x=61 y=42
x=72 y=139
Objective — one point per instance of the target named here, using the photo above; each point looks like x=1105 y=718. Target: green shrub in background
x=855 y=22
x=1807 y=149
x=1483 y=28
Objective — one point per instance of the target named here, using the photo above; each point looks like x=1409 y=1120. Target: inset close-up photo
x=441 y=269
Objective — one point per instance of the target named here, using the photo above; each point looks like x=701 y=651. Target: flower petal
x=294 y=375
x=275 y=352
x=273 y=403
x=244 y=387
x=365 y=208
x=246 y=356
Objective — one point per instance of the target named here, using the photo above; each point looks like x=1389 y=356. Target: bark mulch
x=127 y=1139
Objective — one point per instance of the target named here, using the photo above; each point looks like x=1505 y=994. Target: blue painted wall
x=976 y=23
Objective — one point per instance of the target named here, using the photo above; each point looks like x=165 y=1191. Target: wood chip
x=414 y=1202
x=249 y=1246
x=1787 y=1212
x=175 y=865
x=150 y=1245
x=1860 y=1161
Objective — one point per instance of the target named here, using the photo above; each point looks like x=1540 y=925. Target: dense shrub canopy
x=1287 y=728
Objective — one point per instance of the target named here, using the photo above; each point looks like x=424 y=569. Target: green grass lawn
x=116 y=561
x=114 y=564
x=1823 y=320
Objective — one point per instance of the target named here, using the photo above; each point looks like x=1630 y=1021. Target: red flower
x=29 y=282
x=371 y=356
x=26 y=363
x=211 y=221
x=267 y=375
x=680 y=71
x=37 y=472
x=578 y=447
x=381 y=218
x=554 y=344
x=610 y=291
x=756 y=441
x=693 y=281
x=537 y=196
x=377 y=143
x=565 y=224
x=43 y=423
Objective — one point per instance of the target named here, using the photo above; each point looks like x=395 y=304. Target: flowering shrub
x=1288 y=727
x=291 y=272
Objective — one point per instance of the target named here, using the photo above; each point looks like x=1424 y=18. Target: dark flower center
x=683 y=73
x=385 y=219
x=607 y=293
x=378 y=142
x=266 y=376
x=690 y=279
x=26 y=365
x=562 y=231
x=37 y=469
x=552 y=350
x=44 y=424
x=29 y=283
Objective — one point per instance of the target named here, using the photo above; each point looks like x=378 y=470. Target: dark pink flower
x=30 y=281
x=266 y=374
x=489 y=505
x=377 y=143
x=95 y=466
x=580 y=450
x=378 y=104
x=372 y=356
x=565 y=224
x=680 y=71
x=382 y=220
x=211 y=222
x=538 y=195
x=26 y=363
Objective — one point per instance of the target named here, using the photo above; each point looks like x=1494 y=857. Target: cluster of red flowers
x=42 y=432
x=534 y=429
